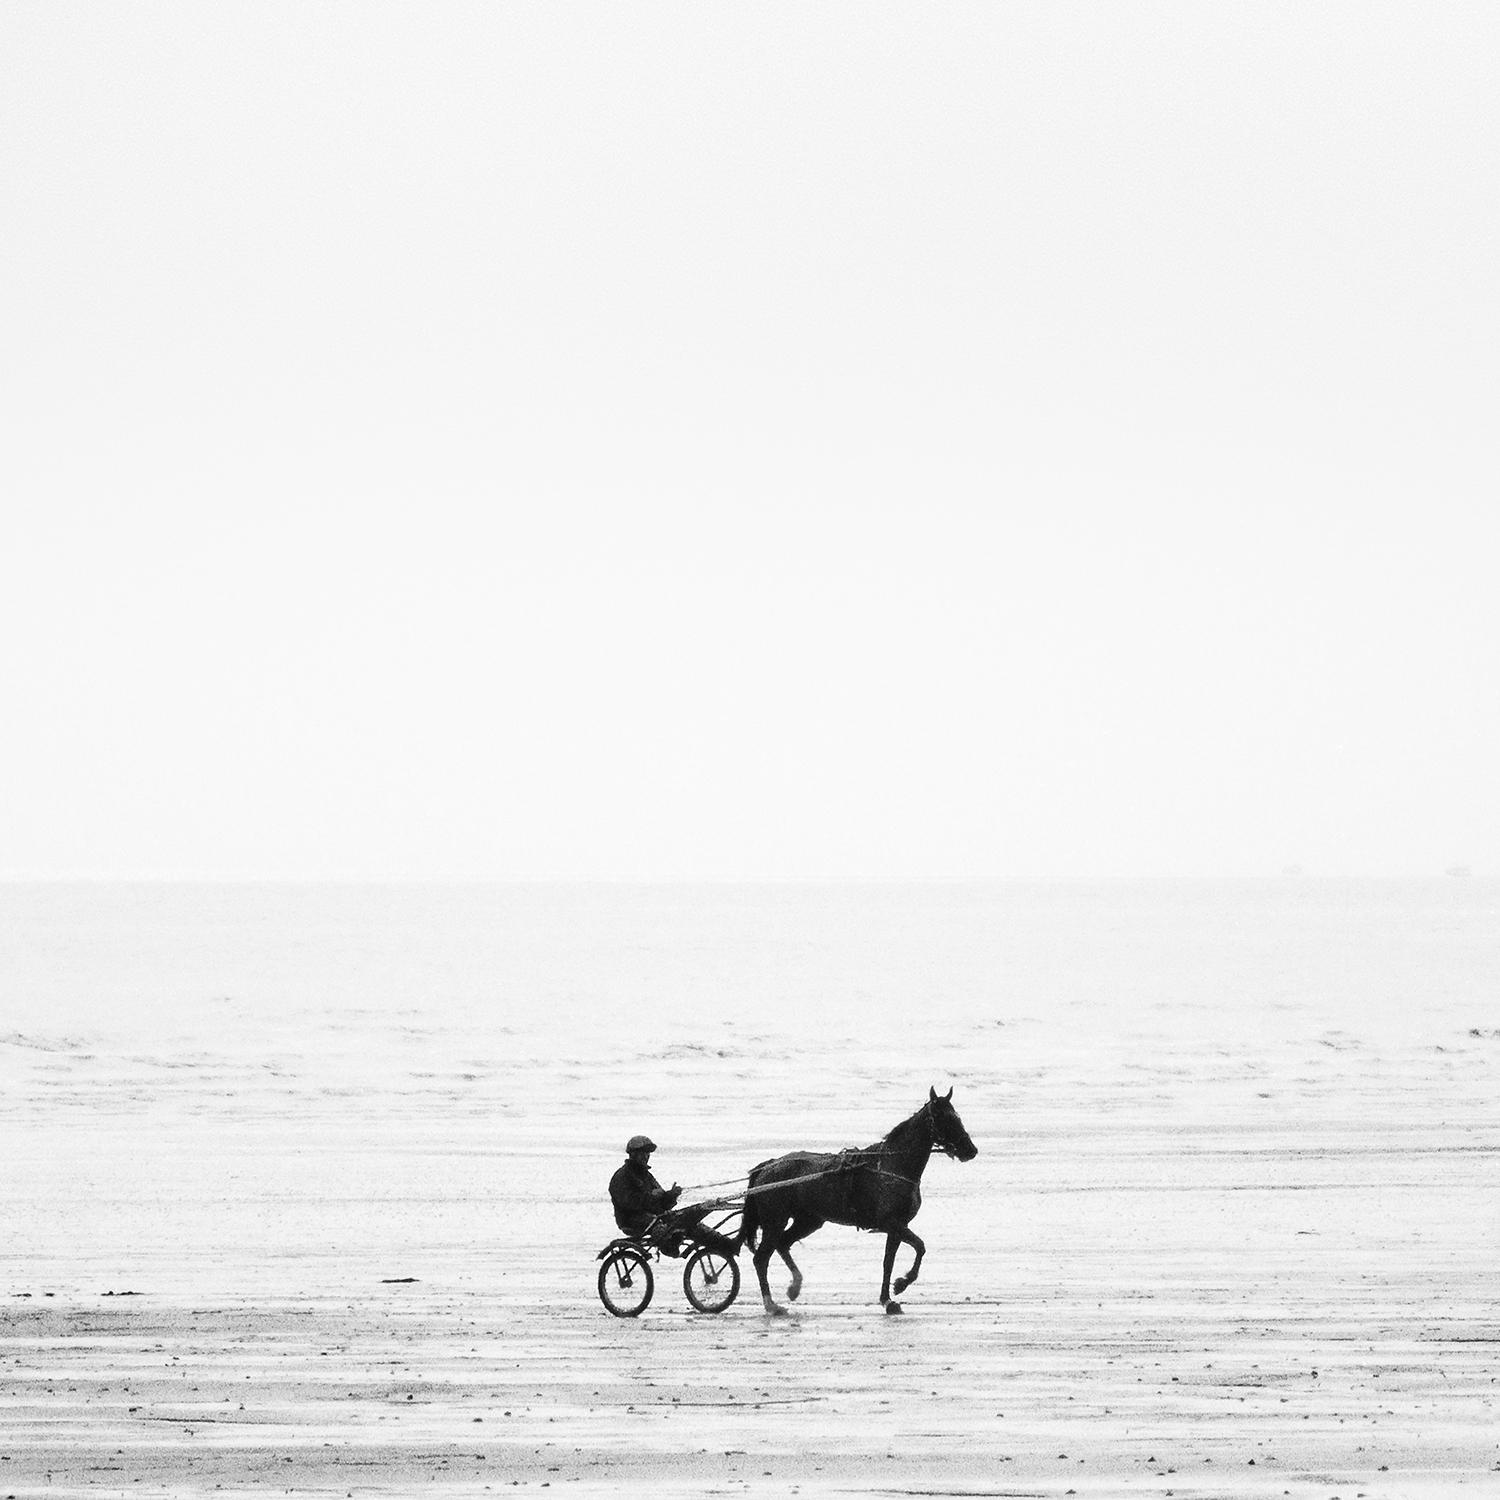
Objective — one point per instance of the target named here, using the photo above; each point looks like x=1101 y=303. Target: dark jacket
x=638 y=1197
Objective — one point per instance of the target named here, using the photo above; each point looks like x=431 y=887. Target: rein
x=854 y=1159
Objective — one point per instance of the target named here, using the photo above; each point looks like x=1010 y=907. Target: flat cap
x=639 y=1143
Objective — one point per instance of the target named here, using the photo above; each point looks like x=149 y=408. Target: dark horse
x=877 y=1188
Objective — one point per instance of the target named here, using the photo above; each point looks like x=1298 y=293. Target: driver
x=639 y=1198
x=636 y=1194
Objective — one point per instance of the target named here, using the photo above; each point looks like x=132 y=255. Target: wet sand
x=1059 y=1389
x=1135 y=1303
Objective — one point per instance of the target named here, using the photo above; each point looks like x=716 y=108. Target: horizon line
x=12 y=878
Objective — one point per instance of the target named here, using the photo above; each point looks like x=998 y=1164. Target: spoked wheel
x=625 y=1282
x=711 y=1280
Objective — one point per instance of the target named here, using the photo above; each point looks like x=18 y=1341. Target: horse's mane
x=896 y=1135
x=854 y=1157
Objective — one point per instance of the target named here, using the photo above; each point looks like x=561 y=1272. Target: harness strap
x=852 y=1159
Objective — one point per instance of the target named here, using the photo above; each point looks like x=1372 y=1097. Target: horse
x=877 y=1188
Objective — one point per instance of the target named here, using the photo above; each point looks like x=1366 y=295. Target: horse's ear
x=949 y=1094
x=932 y=1093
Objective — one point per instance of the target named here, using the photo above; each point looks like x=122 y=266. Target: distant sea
x=123 y=959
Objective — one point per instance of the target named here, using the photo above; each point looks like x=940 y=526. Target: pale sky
x=718 y=441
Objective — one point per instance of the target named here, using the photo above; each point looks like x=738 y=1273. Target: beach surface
x=303 y=1187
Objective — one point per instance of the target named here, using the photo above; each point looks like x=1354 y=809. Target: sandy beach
x=330 y=1248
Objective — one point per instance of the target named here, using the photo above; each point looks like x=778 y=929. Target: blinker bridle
x=940 y=1143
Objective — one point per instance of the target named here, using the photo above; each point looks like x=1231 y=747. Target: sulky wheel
x=711 y=1280
x=625 y=1282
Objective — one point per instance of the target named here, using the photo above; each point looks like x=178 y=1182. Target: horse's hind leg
x=770 y=1240
x=800 y=1227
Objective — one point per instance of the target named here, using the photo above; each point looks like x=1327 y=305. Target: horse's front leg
x=892 y=1241
x=902 y=1282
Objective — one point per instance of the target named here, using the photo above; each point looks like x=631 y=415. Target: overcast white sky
x=780 y=440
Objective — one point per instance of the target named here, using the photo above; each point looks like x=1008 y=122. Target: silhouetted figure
x=638 y=1199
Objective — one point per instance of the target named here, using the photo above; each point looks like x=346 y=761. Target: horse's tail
x=749 y=1227
x=750 y=1214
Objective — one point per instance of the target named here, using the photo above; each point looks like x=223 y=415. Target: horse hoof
x=894 y=1307
x=776 y=1310
x=900 y=1285
x=793 y=1292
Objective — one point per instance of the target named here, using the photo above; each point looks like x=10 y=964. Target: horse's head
x=948 y=1133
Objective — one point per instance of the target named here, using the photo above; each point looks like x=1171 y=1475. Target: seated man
x=639 y=1199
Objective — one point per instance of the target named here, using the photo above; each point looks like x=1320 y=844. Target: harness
x=850 y=1160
